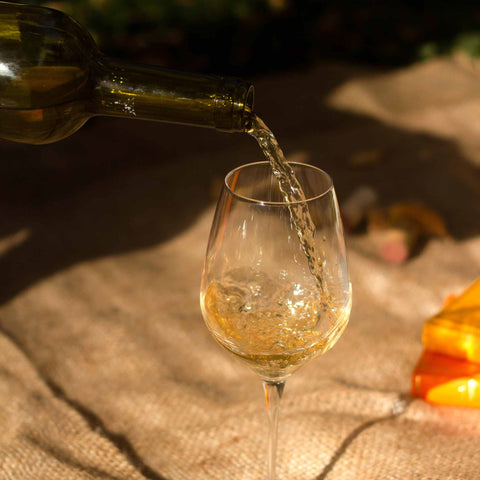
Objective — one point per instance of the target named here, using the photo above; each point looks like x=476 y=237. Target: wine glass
x=272 y=294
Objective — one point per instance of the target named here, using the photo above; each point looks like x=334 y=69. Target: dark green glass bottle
x=53 y=79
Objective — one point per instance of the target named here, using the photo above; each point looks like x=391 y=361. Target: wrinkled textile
x=106 y=368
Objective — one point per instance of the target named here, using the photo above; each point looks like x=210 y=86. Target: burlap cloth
x=106 y=368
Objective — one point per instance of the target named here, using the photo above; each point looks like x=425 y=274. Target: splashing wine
x=275 y=341
x=293 y=194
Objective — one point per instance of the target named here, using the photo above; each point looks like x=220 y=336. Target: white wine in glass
x=272 y=293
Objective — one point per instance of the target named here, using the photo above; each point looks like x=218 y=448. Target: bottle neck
x=154 y=93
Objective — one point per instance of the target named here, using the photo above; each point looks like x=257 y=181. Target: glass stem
x=273 y=394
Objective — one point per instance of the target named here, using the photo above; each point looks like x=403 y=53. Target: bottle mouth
x=234 y=105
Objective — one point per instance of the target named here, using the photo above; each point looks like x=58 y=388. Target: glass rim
x=244 y=198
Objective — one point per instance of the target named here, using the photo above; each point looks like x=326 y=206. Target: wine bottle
x=53 y=79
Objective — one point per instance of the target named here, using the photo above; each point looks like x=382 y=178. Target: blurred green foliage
x=467 y=43
x=215 y=35
x=251 y=36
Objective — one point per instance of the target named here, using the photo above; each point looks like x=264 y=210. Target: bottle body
x=53 y=79
x=44 y=74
